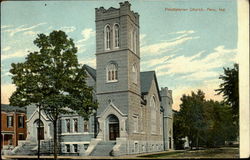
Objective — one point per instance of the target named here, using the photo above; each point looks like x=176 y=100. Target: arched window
x=153 y=114
x=134 y=74
x=116 y=36
x=134 y=41
x=107 y=32
x=112 y=75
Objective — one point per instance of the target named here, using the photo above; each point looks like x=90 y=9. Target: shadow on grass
x=207 y=153
x=163 y=154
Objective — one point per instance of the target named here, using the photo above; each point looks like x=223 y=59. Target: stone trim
x=117 y=92
x=109 y=51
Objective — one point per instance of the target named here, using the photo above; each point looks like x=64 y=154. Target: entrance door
x=113 y=124
x=40 y=133
x=113 y=131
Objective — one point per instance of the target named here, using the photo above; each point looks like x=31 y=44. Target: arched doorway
x=113 y=124
x=40 y=132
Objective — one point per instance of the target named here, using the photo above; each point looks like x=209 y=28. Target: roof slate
x=90 y=70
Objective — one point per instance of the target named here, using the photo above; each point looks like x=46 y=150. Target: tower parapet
x=167 y=101
x=124 y=10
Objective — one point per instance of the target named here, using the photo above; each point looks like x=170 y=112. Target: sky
x=188 y=49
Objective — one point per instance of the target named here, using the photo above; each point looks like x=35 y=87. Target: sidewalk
x=134 y=156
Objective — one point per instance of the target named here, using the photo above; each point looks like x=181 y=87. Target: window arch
x=107 y=32
x=111 y=72
x=134 y=35
x=153 y=114
x=116 y=36
x=134 y=74
x=133 y=40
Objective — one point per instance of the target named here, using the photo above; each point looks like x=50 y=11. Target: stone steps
x=103 y=149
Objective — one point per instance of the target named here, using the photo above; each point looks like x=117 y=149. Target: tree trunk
x=55 y=138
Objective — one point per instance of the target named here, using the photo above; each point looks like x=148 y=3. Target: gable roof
x=8 y=108
x=146 y=79
x=90 y=70
x=146 y=82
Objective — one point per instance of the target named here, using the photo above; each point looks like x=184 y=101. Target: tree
x=52 y=79
x=220 y=127
x=230 y=89
x=191 y=111
x=178 y=128
x=205 y=122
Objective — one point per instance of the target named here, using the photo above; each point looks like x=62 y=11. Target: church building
x=134 y=115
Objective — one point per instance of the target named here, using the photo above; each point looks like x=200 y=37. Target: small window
x=134 y=74
x=134 y=35
x=67 y=148
x=112 y=75
x=153 y=114
x=135 y=119
x=75 y=125
x=86 y=126
x=20 y=121
x=107 y=37
x=9 y=121
x=136 y=147
x=68 y=125
x=133 y=40
x=86 y=146
x=75 y=148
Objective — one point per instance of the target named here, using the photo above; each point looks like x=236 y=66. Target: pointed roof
x=90 y=70
x=146 y=82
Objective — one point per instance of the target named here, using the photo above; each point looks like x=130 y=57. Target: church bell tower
x=117 y=67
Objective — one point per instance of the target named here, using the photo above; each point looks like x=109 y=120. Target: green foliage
x=52 y=78
x=230 y=89
x=191 y=112
x=205 y=122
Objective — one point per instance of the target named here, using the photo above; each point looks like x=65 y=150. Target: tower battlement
x=165 y=92
x=124 y=10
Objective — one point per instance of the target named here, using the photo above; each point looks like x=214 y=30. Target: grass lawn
x=224 y=152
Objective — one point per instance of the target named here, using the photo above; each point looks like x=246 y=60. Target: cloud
x=17 y=54
x=200 y=75
x=22 y=28
x=194 y=64
x=183 y=32
x=6 y=74
x=156 y=61
x=31 y=33
x=89 y=61
x=161 y=47
x=5 y=26
x=142 y=39
x=6 y=48
x=86 y=34
x=207 y=87
x=6 y=92
x=68 y=29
